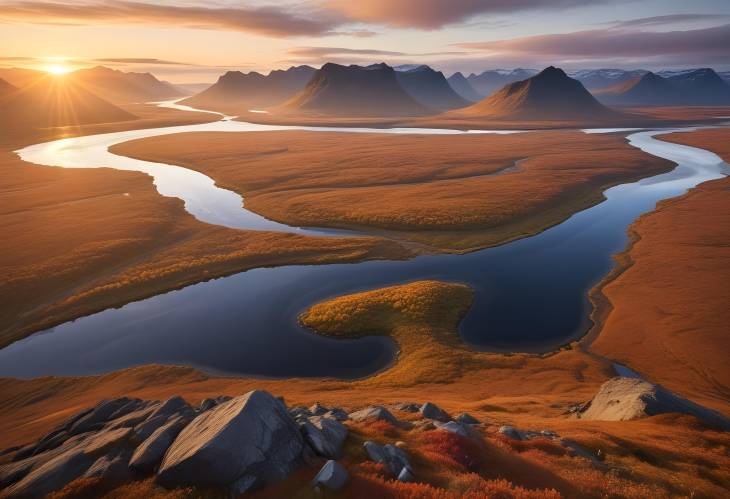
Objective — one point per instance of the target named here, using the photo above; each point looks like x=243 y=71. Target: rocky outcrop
x=333 y=476
x=149 y=454
x=376 y=413
x=392 y=457
x=466 y=419
x=324 y=435
x=248 y=441
x=432 y=411
x=622 y=399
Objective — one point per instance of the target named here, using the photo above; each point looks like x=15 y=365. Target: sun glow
x=57 y=69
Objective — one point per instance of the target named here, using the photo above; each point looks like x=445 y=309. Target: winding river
x=531 y=294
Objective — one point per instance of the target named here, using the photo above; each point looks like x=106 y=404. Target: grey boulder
x=466 y=418
x=57 y=468
x=622 y=399
x=324 y=435
x=149 y=453
x=248 y=441
x=510 y=432
x=374 y=412
x=392 y=457
x=432 y=411
x=406 y=475
x=333 y=476
x=460 y=429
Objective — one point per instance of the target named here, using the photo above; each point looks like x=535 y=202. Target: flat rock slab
x=250 y=440
x=623 y=399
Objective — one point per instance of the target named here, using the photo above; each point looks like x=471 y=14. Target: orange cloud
x=434 y=14
x=708 y=42
x=265 y=20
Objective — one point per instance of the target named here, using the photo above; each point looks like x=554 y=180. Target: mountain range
x=120 y=87
x=49 y=101
x=695 y=87
x=430 y=88
x=237 y=91
x=353 y=90
x=492 y=80
x=596 y=79
x=548 y=95
x=462 y=87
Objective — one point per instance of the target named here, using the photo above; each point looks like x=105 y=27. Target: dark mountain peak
x=381 y=66
x=552 y=73
x=548 y=95
x=430 y=88
x=354 y=91
x=294 y=69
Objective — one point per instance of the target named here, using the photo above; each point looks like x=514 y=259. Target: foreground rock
x=376 y=413
x=325 y=435
x=393 y=458
x=622 y=399
x=432 y=411
x=149 y=454
x=333 y=476
x=243 y=443
x=39 y=475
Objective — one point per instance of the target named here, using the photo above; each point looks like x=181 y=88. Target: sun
x=57 y=69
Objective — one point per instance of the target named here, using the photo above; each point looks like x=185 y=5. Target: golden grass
x=668 y=310
x=450 y=192
x=663 y=456
x=76 y=241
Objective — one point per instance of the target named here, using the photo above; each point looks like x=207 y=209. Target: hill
x=354 y=91
x=489 y=81
x=235 y=91
x=57 y=101
x=120 y=87
x=20 y=77
x=462 y=87
x=430 y=88
x=549 y=95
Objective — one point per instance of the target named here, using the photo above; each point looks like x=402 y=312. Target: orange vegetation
x=670 y=314
x=78 y=241
x=452 y=192
x=662 y=456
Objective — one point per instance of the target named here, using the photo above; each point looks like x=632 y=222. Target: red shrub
x=453 y=450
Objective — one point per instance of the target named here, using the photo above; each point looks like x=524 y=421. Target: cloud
x=323 y=52
x=434 y=14
x=668 y=19
x=140 y=60
x=709 y=44
x=282 y=21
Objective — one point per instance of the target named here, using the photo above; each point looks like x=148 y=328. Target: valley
x=363 y=250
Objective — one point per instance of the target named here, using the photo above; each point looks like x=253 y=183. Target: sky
x=194 y=41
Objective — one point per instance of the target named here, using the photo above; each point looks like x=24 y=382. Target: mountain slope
x=120 y=87
x=701 y=87
x=6 y=88
x=235 y=91
x=57 y=101
x=489 y=81
x=644 y=90
x=354 y=91
x=20 y=77
x=430 y=88
x=462 y=87
x=678 y=88
x=549 y=95
x=597 y=79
